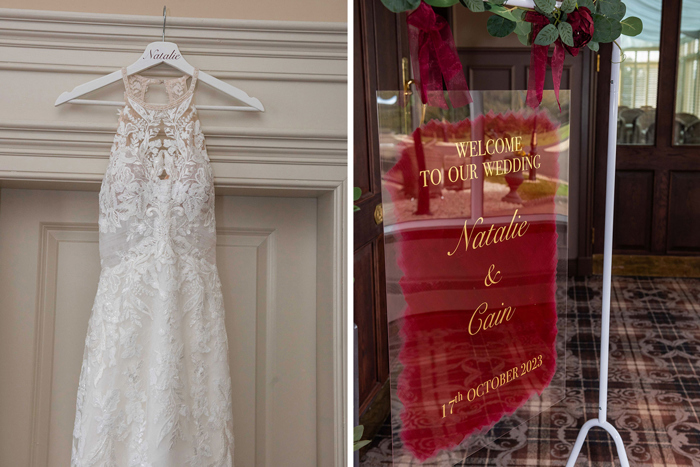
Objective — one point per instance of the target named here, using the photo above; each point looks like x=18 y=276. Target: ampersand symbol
x=492 y=280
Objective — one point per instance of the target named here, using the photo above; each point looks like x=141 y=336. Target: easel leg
x=607 y=279
x=619 y=446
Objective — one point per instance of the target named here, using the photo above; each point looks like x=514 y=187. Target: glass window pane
x=686 y=127
x=639 y=72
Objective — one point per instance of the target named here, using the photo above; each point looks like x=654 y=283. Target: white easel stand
x=607 y=273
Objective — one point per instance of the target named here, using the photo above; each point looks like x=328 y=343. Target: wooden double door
x=657 y=193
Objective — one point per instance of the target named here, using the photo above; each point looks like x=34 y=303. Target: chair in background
x=644 y=128
x=692 y=133
x=682 y=121
x=628 y=117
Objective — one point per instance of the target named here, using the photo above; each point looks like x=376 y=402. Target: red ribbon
x=538 y=62
x=435 y=58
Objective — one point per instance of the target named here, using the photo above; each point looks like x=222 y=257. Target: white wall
x=288 y=10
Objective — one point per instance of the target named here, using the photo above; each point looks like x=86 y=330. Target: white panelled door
x=49 y=268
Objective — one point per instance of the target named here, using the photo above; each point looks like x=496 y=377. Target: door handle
x=378 y=214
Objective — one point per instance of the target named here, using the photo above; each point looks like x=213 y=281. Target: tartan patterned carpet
x=654 y=384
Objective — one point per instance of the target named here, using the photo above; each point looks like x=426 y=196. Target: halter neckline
x=172 y=103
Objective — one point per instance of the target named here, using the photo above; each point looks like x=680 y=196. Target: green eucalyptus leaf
x=477 y=6
x=586 y=3
x=360 y=444
x=566 y=34
x=547 y=35
x=357 y=433
x=542 y=12
x=497 y=2
x=441 y=3
x=616 y=29
x=546 y=6
x=631 y=26
x=524 y=39
x=518 y=13
x=398 y=6
x=499 y=26
x=602 y=29
x=567 y=6
x=523 y=28
x=621 y=12
x=502 y=11
x=594 y=46
x=614 y=9
x=356 y=193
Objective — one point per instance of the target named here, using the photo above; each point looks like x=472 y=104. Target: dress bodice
x=157 y=196
x=155 y=385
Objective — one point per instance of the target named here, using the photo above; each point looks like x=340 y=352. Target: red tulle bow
x=435 y=58
x=538 y=62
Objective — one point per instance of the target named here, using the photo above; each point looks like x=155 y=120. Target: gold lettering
x=518 y=143
x=499 y=140
x=424 y=173
x=487 y=147
x=509 y=144
x=510 y=165
x=472 y=149
x=449 y=173
x=486 y=307
x=439 y=173
x=489 y=280
x=520 y=164
x=488 y=237
x=465 y=234
x=461 y=149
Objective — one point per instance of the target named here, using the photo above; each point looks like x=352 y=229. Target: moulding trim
x=127 y=33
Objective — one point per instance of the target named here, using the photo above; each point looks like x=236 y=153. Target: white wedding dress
x=155 y=386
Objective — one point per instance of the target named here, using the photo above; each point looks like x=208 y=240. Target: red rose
x=582 y=26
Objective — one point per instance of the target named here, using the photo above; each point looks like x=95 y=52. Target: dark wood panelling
x=684 y=213
x=487 y=78
x=634 y=192
x=370 y=317
x=364 y=107
x=367 y=332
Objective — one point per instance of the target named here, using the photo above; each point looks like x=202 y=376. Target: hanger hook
x=164 y=17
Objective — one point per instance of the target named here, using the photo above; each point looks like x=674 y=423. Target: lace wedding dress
x=155 y=388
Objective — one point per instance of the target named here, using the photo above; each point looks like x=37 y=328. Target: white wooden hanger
x=155 y=54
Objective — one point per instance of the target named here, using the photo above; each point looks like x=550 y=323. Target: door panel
x=684 y=212
x=49 y=267
x=380 y=45
x=633 y=197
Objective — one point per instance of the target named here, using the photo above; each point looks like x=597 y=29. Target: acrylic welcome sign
x=475 y=220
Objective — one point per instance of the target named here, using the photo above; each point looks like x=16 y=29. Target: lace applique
x=155 y=388
x=175 y=87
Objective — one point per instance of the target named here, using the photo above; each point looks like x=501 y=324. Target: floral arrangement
x=571 y=25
